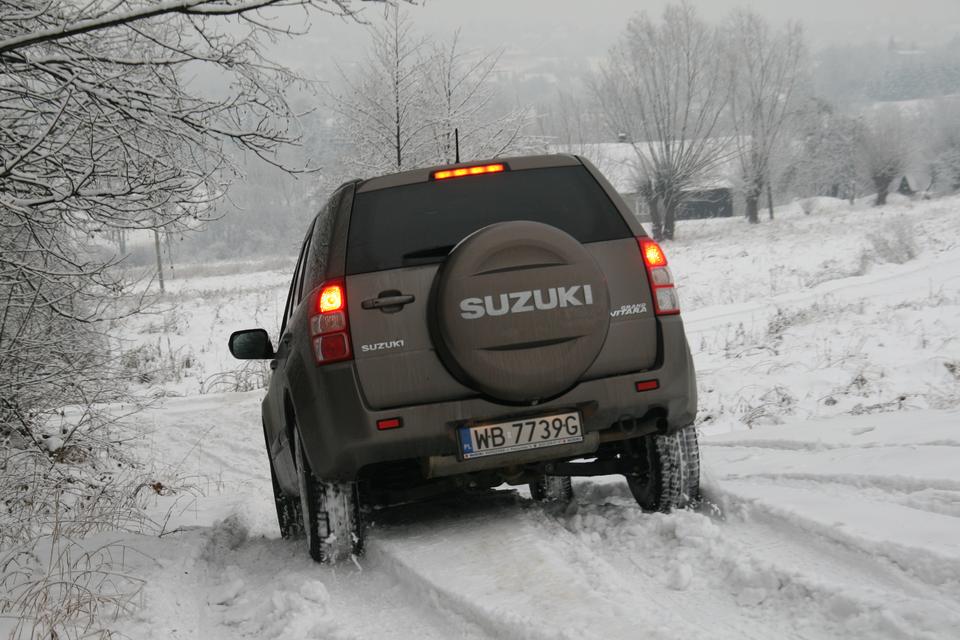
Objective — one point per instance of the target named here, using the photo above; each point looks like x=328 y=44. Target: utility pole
x=156 y=245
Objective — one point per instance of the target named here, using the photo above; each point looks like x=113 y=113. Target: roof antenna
x=456 y=143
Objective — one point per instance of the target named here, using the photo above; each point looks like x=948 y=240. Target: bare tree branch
x=400 y=108
x=767 y=70
x=104 y=129
x=662 y=86
x=98 y=18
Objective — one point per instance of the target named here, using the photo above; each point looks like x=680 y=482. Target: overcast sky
x=579 y=32
x=828 y=20
x=578 y=27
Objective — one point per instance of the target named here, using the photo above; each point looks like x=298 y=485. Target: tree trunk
x=156 y=245
x=882 y=184
x=669 y=218
x=753 y=209
x=770 y=199
x=168 y=239
x=656 y=221
x=398 y=144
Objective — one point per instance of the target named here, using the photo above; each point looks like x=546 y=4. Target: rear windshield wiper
x=431 y=253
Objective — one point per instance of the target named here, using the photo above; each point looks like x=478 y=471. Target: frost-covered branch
x=67 y=20
x=116 y=116
x=401 y=108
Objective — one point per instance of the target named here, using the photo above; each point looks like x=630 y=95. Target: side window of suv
x=319 y=254
x=302 y=267
x=293 y=296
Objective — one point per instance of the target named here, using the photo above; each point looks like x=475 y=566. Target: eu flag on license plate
x=466 y=443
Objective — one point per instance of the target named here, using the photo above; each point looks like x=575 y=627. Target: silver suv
x=461 y=327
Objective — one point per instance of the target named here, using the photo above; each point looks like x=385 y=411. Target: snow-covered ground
x=829 y=371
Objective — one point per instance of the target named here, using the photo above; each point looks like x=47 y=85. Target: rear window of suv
x=420 y=223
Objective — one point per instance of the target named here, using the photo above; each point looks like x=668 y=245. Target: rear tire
x=552 y=489
x=289 y=510
x=289 y=514
x=668 y=471
x=332 y=520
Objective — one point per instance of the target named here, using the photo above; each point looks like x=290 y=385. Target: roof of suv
x=423 y=175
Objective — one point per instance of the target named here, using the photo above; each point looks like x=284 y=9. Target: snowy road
x=831 y=447
x=837 y=528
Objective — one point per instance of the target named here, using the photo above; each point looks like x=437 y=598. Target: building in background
x=713 y=196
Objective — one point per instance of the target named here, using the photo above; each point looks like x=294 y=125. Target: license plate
x=520 y=435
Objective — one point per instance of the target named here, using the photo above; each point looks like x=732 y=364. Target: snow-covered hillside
x=829 y=372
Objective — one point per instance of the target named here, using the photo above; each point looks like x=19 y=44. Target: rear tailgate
x=399 y=236
x=632 y=340
x=395 y=359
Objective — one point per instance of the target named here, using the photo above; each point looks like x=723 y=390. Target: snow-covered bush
x=808 y=205
x=252 y=374
x=57 y=490
x=68 y=484
x=157 y=363
x=65 y=590
x=895 y=241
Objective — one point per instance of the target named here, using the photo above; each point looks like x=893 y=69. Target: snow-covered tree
x=767 y=72
x=886 y=143
x=824 y=159
x=103 y=129
x=663 y=85
x=462 y=103
x=572 y=120
x=942 y=144
x=402 y=106
x=382 y=105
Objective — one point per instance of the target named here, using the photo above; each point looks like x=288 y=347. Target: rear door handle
x=388 y=301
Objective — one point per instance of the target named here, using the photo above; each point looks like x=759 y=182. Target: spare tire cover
x=520 y=311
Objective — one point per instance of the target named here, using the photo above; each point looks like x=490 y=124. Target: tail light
x=665 y=300
x=329 y=326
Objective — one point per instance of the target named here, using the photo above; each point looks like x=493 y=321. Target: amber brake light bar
x=468 y=171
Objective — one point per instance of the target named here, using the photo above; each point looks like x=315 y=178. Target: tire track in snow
x=903 y=468
x=796 y=445
x=939 y=497
x=920 y=547
x=904 y=484
x=729 y=575
x=500 y=569
x=269 y=589
x=680 y=565
x=868 y=597
x=488 y=562
x=819 y=587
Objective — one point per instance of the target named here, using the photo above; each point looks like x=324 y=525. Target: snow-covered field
x=829 y=371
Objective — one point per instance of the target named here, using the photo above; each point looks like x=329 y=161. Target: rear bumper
x=341 y=437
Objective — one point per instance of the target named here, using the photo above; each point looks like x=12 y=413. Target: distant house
x=919 y=182
x=905 y=189
x=707 y=203
x=712 y=198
